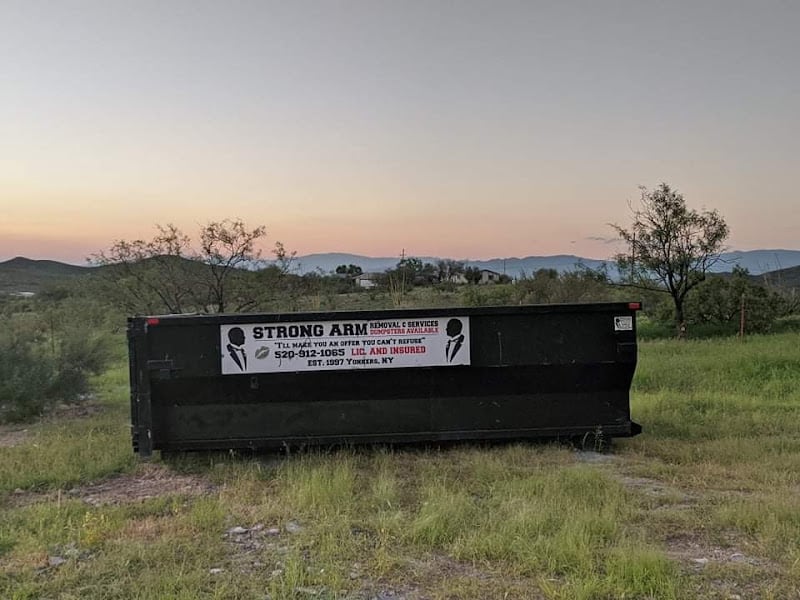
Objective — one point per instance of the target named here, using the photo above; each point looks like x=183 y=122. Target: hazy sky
x=463 y=129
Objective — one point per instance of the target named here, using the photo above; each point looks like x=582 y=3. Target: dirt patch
x=699 y=552
x=666 y=495
x=440 y=576
x=722 y=570
x=596 y=458
x=13 y=436
x=149 y=481
x=86 y=407
x=440 y=565
x=257 y=548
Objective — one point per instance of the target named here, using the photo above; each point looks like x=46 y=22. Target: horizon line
x=85 y=263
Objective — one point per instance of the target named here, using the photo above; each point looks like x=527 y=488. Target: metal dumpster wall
x=535 y=371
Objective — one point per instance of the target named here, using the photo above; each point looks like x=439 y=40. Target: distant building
x=488 y=276
x=367 y=280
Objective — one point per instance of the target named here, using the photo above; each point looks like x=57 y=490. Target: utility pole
x=741 y=319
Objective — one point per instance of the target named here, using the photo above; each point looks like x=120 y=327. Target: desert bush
x=718 y=301
x=547 y=286
x=47 y=355
x=26 y=373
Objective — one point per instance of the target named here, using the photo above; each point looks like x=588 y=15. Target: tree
x=227 y=247
x=412 y=266
x=670 y=248
x=166 y=275
x=411 y=271
x=449 y=269
x=349 y=270
x=148 y=276
x=472 y=274
x=427 y=275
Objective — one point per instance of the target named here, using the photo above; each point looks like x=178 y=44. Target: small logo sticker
x=623 y=323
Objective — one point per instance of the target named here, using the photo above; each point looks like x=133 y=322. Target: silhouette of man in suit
x=236 y=347
x=454 y=328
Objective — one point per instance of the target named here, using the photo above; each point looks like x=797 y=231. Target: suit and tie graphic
x=236 y=347
x=456 y=339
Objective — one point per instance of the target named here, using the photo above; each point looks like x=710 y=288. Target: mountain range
x=755 y=261
x=782 y=266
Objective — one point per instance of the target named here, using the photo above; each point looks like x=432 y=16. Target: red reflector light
x=631 y=305
x=152 y=321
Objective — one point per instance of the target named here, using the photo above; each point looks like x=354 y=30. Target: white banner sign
x=334 y=345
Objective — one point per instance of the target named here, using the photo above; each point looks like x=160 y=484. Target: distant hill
x=779 y=267
x=25 y=275
x=760 y=261
x=785 y=278
x=20 y=275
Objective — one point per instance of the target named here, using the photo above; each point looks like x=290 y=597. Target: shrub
x=26 y=376
x=47 y=357
x=719 y=301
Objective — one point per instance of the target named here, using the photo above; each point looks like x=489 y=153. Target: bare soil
x=148 y=481
x=11 y=436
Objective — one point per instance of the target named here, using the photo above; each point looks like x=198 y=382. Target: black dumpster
x=269 y=380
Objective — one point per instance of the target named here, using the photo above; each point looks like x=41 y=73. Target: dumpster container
x=389 y=376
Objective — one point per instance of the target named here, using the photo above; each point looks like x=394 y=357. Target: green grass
x=715 y=475
x=62 y=453
x=722 y=419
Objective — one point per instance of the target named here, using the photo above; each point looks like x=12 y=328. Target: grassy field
x=704 y=504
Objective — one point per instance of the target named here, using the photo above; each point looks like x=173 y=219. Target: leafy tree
x=670 y=247
x=411 y=271
x=349 y=270
x=472 y=274
x=411 y=265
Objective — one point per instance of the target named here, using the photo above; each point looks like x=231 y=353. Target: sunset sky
x=461 y=129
